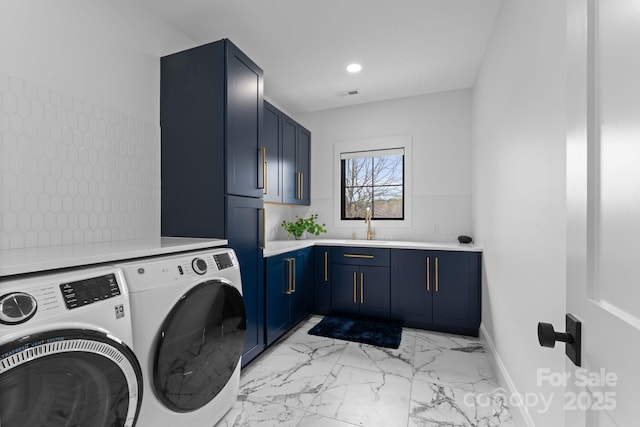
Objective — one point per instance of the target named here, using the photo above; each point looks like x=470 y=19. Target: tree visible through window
x=373 y=179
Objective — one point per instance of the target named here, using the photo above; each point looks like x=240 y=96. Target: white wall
x=79 y=121
x=440 y=129
x=519 y=191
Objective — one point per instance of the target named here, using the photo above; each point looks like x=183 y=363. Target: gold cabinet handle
x=436 y=274
x=361 y=288
x=298 y=184
x=301 y=185
x=263 y=151
x=355 y=301
x=428 y=273
x=358 y=256
x=326 y=266
x=266 y=177
x=293 y=261
x=290 y=276
x=263 y=244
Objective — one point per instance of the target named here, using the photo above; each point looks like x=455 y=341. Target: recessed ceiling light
x=354 y=68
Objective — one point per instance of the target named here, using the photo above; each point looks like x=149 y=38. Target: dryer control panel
x=87 y=291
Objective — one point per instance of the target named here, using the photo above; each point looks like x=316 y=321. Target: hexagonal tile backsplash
x=73 y=172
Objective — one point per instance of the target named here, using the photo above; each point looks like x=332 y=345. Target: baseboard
x=520 y=416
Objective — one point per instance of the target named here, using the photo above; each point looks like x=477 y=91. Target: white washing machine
x=65 y=356
x=189 y=327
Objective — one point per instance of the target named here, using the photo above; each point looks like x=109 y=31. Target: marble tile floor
x=432 y=380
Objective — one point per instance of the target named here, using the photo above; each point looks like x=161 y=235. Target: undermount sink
x=365 y=242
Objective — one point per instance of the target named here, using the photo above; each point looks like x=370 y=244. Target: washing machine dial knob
x=199 y=265
x=17 y=307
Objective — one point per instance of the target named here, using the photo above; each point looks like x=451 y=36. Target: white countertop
x=276 y=247
x=31 y=260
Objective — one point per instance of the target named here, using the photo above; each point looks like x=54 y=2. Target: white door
x=603 y=207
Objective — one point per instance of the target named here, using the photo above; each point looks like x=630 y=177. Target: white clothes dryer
x=189 y=327
x=65 y=356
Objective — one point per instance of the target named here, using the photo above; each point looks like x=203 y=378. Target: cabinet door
x=279 y=285
x=243 y=125
x=456 y=298
x=411 y=286
x=374 y=291
x=303 y=160
x=271 y=142
x=289 y=171
x=192 y=88
x=243 y=222
x=302 y=286
x=344 y=288
x=322 y=282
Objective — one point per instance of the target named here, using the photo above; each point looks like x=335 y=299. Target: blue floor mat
x=363 y=331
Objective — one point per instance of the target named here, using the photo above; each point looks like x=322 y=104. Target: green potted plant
x=300 y=226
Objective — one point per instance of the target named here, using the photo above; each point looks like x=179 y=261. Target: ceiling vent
x=347 y=92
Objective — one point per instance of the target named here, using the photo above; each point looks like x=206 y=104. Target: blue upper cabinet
x=303 y=165
x=290 y=191
x=244 y=164
x=211 y=111
x=192 y=120
x=288 y=180
x=271 y=150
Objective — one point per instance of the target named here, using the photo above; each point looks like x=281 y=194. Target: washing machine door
x=69 y=378
x=199 y=346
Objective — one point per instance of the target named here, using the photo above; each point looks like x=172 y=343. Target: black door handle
x=547 y=337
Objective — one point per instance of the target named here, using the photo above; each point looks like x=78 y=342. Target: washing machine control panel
x=223 y=261
x=88 y=291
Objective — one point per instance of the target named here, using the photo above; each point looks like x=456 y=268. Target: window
x=373 y=179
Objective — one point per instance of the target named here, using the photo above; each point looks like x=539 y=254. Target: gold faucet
x=367 y=219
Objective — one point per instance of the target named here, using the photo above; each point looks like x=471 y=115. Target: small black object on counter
x=465 y=239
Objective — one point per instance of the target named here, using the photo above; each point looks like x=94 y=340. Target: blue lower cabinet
x=322 y=280
x=344 y=289
x=301 y=301
x=360 y=290
x=437 y=290
x=243 y=227
x=289 y=291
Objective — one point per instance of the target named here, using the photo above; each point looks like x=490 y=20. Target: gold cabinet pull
x=361 y=288
x=301 y=185
x=436 y=274
x=428 y=273
x=358 y=256
x=263 y=244
x=326 y=266
x=290 y=277
x=263 y=151
x=298 y=185
x=355 y=301
x=293 y=261
x=266 y=177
